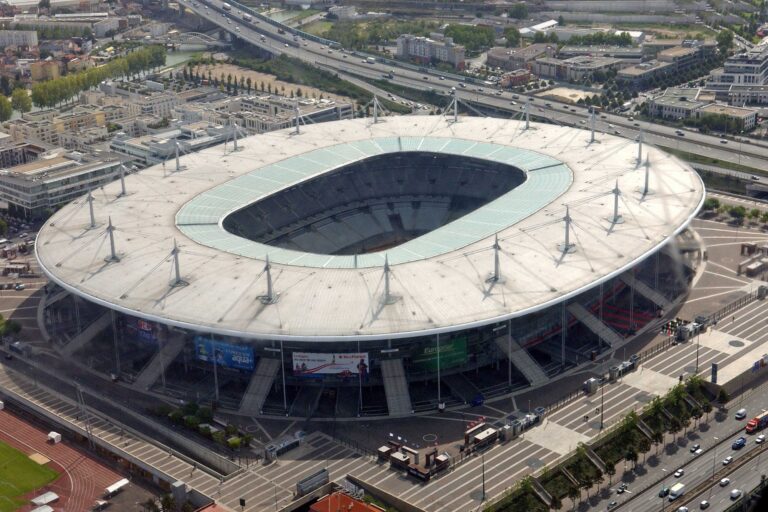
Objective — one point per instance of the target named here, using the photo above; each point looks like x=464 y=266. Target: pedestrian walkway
x=263 y=487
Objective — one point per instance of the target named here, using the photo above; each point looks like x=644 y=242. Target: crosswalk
x=506 y=464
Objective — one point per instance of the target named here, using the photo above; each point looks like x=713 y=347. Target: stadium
x=370 y=268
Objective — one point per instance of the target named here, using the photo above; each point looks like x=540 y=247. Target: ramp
x=594 y=324
x=167 y=353
x=461 y=387
x=396 y=387
x=305 y=403
x=87 y=334
x=258 y=387
x=523 y=361
x=646 y=291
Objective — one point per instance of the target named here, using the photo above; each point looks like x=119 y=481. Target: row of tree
x=19 y=101
x=53 y=92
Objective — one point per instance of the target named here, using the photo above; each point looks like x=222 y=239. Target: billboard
x=452 y=353
x=141 y=330
x=239 y=357
x=307 y=364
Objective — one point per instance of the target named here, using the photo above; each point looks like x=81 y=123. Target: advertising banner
x=306 y=364
x=452 y=353
x=141 y=330
x=239 y=357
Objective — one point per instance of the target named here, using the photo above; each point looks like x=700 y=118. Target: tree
x=611 y=470
x=150 y=505
x=738 y=213
x=512 y=36
x=657 y=438
x=3 y=227
x=675 y=426
x=754 y=214
x=711 y=203
x=167 y=503
x=724 y=40
x=561 y=20
x=519 y=11
x=43 y=4
x=573 y=495
x=6 y=110
x=722 y=396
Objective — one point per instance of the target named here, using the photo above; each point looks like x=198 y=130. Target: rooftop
x=438 y=285
x=717 y=108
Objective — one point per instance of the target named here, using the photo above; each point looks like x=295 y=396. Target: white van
x=741 y=414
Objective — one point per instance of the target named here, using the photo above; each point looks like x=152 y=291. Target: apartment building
x=428 y=50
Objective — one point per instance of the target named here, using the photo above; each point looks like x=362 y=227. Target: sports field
x=19 y=475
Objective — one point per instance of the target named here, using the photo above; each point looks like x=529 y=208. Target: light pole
x=482 y=498
x=714 y=458
x=698 y=344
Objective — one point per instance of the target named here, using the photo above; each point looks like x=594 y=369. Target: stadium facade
x=370 y=268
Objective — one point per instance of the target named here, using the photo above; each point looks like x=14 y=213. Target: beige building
x=50 y=126
x=747 y=117
x=44 y=70
x=518 y=58
x=426 y=50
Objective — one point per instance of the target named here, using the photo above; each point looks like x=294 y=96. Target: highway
x=347 y=63
x=744 y=471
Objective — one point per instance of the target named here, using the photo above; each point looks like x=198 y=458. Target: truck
x=370 y=60
x=676 y=491
x=226 y=7
x=759 y=422
x=247 y=17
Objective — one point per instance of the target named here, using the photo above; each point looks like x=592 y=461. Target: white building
x=18 y=38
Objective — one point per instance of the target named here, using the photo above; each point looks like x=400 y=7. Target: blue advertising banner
x=239 y=357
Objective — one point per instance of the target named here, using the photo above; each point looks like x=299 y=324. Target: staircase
x=461 y=387
x=594 y=324
x=396 y=387
x=169 y=349
x=646 y=291
x=523 y=361
x=306 y=400
x=87 y=334
x=259 y=386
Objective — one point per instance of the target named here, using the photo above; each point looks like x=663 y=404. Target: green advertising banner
x=452 y=353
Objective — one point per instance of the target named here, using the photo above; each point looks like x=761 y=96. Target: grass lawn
x=317 y=28
x=18 y=476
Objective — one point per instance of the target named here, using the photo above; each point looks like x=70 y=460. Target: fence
x=733 y=306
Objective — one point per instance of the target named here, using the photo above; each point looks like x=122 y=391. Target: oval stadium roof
x=437 y=283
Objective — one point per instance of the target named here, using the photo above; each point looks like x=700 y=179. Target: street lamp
x=482 y=498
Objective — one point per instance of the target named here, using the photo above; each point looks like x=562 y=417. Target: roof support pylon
x=270 y=297
x=375 y=109
x=646 y=189
x=90 y=209
x=122 y=181
x=178 y=162
x=111 y=232
x=177 y=281
x=234 y=136
x=592 y=122
x=496 y=276
x=527 y=115
x=616 y=219
x=640 y=148
x=567 y=247
x=298 y=118
x=388 y=298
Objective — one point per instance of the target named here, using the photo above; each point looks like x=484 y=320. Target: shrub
x=205 y=414
x=176 y=416
x=233 y=443
x=192 y=422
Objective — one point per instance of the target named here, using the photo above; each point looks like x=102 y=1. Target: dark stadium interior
x=374 y=204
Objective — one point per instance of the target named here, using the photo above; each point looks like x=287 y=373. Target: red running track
x=83 y=479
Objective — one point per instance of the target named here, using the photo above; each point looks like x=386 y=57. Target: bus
x=226 y=7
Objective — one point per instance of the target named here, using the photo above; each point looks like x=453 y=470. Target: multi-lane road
x=265 y=35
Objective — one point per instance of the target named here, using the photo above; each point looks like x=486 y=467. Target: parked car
x=695 y=447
